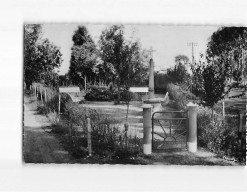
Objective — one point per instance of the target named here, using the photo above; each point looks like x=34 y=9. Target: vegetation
x=227 y=45
x=177 y=75
x=221 y=136
x=209 y=83
x=83 y=57
x=41 y=57
x=122 y=57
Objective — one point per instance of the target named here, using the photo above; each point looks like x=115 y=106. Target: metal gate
x=169 y=130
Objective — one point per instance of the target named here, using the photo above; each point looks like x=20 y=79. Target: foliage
x=64 y=80
x=209 y=82
x=50 y=79
x=106 y=137
x=181 y=59
x=52 y=104
x=125 y=56
x=221 y=138
x=99 y=94
x=180 y=97
x=178 y=74
x=228 y=44
x=40 y=55
x=83 y=56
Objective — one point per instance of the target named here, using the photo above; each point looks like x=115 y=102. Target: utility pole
x=151 y=52
x=192 y=44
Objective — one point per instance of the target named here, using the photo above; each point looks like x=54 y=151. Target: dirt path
x=38 y=145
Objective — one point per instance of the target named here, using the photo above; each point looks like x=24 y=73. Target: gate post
x=192 y=136
x=147 y=127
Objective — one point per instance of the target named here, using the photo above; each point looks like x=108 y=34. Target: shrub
x=220 y=137
x=99 y=94
x=125 y=95
x=105 y=134
x=52 y=104
x=177 y=94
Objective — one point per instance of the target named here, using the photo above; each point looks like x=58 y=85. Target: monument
x=150 y=106
x=156 y=103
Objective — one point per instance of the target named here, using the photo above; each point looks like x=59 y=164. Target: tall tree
x=209 y=82
x=83 y=56
x=179 y=74
x=40 y=55
x=126 y=58
x=229 y=43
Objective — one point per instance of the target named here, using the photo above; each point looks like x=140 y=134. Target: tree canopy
x=209 y=82
x=181 y=59
x=83 y=56
x=125 y=56
x=228 y=44
x=41 y=57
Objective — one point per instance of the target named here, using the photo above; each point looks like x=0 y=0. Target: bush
x=220 y=137
x=177 y=94
x=52 y=104
x=105 y=134
x=99 y=94
x=125 y=95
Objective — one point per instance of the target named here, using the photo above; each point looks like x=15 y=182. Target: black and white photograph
x=123 y=96
x=134 y=94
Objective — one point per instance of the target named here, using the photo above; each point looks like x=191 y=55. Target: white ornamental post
x=192 y=137
x=147 y=128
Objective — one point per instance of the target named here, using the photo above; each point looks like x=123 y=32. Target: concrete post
x=41 y=95
x=45 y=96
x=192 y=136
x=151 y=79
x=147 y=128
x=89 y=141
x=59 y=100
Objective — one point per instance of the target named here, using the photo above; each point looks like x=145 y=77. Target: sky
x=167 y=41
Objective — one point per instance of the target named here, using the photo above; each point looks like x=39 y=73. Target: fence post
x=41 y=95
x=45 y=96
x=89 y=141
x=147 y=127
x=59 y=99
x=240 y=123
x=126 y=128
x=192 y=136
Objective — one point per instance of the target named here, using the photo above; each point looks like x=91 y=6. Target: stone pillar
x=147 y=128
x=192 y=135
x=151 y=79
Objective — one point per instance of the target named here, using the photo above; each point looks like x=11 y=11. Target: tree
x=83 y=56
x=209 y=83
x=229 y=43
x=125 y=56
x=40 y=55
x=181 y=59
x=179 y=73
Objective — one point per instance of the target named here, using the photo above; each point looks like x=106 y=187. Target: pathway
x=38 y=145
